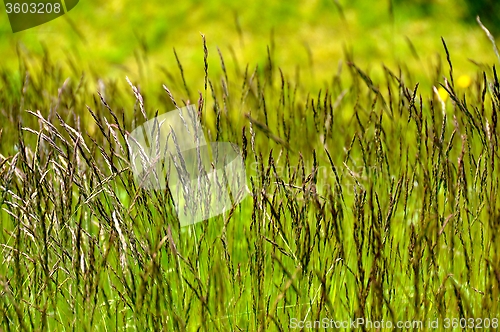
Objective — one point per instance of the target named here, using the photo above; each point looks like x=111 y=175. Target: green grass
x=311 y=35
x=380 y=204
x=370 y=196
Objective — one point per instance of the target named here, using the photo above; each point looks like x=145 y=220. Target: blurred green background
x=119 y=38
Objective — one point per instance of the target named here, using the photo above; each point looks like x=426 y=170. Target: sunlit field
x=369 y=135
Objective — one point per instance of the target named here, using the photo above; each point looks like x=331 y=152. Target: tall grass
x=368 y=199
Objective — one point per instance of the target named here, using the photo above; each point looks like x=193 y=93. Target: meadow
x=373 y=184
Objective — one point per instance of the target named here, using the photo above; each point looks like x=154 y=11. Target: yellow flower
x=443 y=94
x=464 y=81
